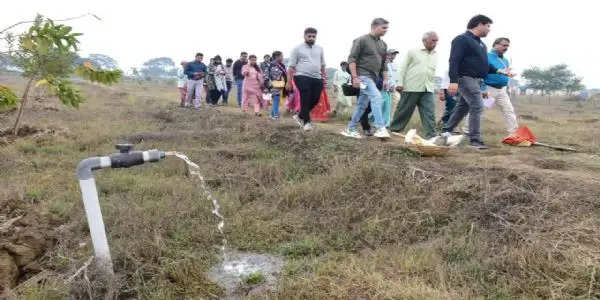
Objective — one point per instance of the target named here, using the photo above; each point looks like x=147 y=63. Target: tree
x=575 y=85
x=160 y=67
x=5 y=62
x=552 y=79
x=103 y=62
x=46 y=54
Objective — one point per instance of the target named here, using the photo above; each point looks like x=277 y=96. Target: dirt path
x=539 y=160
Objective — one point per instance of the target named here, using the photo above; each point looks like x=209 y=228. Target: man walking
x=415 y=82
x=468 y=67
x=449 y=100
x=307 y=67
x=367 y=63
x=195 y=72
x=495 y=85
x=238 y=76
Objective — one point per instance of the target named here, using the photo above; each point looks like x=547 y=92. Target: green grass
x=253 y=278
x=353 y=219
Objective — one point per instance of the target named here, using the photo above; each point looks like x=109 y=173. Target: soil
x=22 y=242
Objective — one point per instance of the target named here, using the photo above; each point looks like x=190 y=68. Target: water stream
x=235 y=265
x=194 y=171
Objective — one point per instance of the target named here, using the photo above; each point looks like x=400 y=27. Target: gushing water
x=235 y=264
x=194 y=170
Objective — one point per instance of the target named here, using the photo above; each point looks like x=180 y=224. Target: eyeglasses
x=505 y=45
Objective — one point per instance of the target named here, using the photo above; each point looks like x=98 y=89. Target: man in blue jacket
x=195 y=72
x=495 y=85
x=468 y=66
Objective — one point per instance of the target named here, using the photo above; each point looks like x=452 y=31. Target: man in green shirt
x=415 y=82
x=368 y=66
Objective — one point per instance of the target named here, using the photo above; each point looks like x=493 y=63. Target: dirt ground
x=353 y=219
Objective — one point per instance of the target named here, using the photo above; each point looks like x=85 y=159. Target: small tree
x=103 y=62
x=575 y=85
x=160 y=67
x=46 y=55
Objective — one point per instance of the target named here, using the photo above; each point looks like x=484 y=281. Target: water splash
x=194 y=170
x=235 y=264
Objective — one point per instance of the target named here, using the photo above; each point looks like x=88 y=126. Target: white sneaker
x=465 y=129
x=382 y=133
x=351 y=133
x=297 y=119
x=308 y=126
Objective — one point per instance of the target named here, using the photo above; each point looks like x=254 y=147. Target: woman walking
x=343 y=103
x=252 y=86
x=277 y=77
x=216 y=81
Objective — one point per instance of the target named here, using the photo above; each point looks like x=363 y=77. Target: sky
x=542 y=33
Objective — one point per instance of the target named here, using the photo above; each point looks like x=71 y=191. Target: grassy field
x=353 y=219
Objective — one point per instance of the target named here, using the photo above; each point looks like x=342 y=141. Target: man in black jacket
x=237 y=75
x=468 y=66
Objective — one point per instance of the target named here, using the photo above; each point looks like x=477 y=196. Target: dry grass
x=355 y=220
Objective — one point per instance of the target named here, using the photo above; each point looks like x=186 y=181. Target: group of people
x=371 y=80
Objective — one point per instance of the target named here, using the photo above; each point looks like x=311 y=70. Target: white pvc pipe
x=95 y=222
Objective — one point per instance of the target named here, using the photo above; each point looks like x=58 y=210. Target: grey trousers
x=194 y=91
x=470 y=103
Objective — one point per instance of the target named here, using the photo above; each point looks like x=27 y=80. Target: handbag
x=350 y=90
x=278 y=84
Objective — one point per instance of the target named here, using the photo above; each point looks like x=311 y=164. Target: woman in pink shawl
x=253 y=86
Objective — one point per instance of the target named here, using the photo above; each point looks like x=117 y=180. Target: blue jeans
x=450 y=104
x=370 y=94
x=275 y=106
x=239 y=85
x=226 y=93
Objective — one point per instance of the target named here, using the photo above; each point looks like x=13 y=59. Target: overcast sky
x=542 y=33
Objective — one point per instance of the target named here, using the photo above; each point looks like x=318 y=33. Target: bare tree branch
x=84 y=267
x=61 y=20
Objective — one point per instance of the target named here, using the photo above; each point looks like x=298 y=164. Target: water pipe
x=124 y=159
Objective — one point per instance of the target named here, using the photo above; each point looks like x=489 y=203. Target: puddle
x=230 y=272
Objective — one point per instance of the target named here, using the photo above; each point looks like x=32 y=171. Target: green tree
x=103 y=62
x=160 y=67
x=46 y=55
x=549 y=80
x=575 y=85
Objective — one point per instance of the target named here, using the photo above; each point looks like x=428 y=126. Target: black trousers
x=213 y=96
x=310 y=92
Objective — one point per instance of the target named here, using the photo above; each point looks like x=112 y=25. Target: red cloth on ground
x=523 y=134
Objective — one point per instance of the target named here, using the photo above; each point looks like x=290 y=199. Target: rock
x=9 y=271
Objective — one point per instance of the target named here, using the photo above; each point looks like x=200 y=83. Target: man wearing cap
x=386 y=107
x=416 y=83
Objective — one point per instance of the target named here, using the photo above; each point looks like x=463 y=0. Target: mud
x=22 y=242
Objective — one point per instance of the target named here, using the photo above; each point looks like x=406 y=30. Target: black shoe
x=478 y=145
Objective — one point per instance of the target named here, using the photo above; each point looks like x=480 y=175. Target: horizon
x=180 y=39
